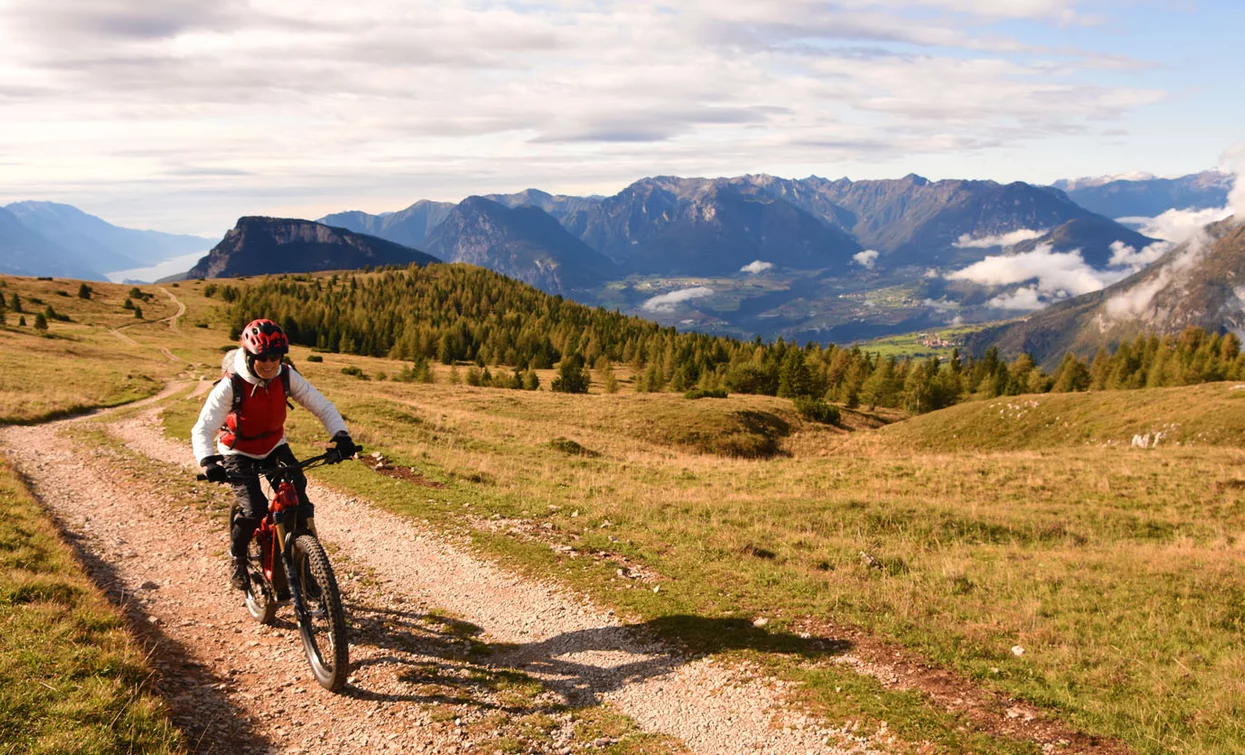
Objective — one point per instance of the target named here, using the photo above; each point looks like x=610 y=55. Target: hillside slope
x=1212 y=414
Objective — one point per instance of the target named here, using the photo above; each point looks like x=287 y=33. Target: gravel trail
x=417 y=685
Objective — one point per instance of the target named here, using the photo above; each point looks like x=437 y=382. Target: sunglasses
x=269 y=358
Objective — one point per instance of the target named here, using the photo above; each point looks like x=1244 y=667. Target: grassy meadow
x=1023 y=542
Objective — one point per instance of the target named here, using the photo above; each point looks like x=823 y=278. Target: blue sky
x=183 y=115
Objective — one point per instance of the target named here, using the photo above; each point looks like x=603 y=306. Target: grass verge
x=71 y=678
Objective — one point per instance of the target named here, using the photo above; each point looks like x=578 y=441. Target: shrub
x=572 y=377
x=41 y=322
x=353 y=370
x=696 y=393
x=314 y=358
x=816 y=410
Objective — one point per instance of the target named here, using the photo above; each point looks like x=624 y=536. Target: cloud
x=756 y=266
x=1025 y=298
x=1234 y=158
x=1123 y=255
x=1054 y=271
x=372 y=100
x=670 y=301
x=1177 y=226
x=1052 y=276
x=868 y=258
x=1003 y=239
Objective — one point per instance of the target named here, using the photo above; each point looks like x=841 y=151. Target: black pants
x=252 y=503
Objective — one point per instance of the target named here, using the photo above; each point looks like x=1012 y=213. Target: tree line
x=460 y=313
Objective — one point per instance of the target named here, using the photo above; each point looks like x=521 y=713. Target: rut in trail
x=418 y=682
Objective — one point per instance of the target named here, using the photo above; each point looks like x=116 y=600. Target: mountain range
x=1149 y=196
x=750 y=255
x=46 y=238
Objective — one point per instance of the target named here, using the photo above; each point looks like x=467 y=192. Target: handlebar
x=331 y=456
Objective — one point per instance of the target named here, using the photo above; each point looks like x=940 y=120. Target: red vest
x=258 y=423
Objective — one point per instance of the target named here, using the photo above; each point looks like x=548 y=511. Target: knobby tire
x=324 y=634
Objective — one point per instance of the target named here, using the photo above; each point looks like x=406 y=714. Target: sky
x=183 y=115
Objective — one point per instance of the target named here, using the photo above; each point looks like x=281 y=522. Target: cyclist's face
x=267 y=367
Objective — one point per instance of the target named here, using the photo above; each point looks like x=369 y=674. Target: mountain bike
x=287 y=563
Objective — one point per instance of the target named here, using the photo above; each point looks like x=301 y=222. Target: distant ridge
x=524 y=243
x=262 y=245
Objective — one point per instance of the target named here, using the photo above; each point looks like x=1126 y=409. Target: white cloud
x=1051 y=275
x=670 y=301
x=1177 y=226
x=190 y=114
x=1123 y=255
x=1003 y=239
x=1055 y=272
x=1234 y=157
x=1024 y=298
x=756 y=266
x=868 y=258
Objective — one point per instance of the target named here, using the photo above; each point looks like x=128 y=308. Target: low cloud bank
x=756 y=266
x=1177 y=226
x=1003 y=239
x=1181 y=226
x=868 y=258
x=668 y=302
x=1056 y=276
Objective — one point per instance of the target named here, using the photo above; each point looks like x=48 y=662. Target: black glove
x=344 y=446
x=213 y=470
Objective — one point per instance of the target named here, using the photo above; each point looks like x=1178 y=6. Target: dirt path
x=181 y=310
x=419 y=682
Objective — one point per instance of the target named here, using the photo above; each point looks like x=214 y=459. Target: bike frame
x=277 y=530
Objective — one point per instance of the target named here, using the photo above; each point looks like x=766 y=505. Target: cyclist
x=245 y=414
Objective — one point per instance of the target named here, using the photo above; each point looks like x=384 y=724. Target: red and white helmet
x=263 y=337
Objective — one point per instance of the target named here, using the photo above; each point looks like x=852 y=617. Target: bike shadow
x=443 y=660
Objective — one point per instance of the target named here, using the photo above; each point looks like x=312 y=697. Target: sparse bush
x=314 y=358
x=353 y=370
x=210 y=290
x=138 y=312
x=817 y=410
x=128 y=304
x=65 y=294
x=696 y=393
x=41 y=322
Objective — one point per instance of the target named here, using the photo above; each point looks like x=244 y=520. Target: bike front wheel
x=323 y=625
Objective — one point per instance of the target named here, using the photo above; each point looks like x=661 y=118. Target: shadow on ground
x=442 y=660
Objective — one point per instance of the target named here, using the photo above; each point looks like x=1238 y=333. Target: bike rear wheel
x=323 y=627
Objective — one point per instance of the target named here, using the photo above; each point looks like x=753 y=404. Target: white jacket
x=220 y=402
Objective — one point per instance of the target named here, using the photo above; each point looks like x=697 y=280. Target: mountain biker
x=249 y=430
